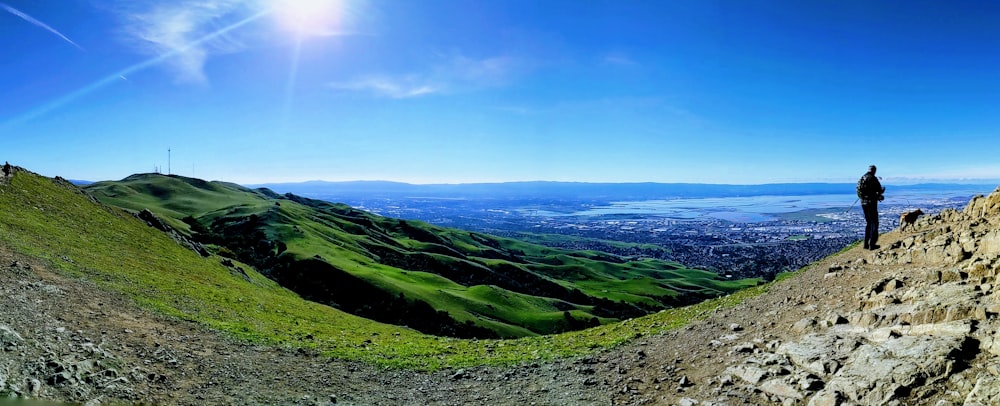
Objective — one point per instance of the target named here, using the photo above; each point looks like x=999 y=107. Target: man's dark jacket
x=869 y=189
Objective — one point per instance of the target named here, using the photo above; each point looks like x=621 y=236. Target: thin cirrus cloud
x=455 y=75
x=618 y=60
x=39 y=24
x=179 y=29
x=122 y=74
x=492 y=71
x=175 y=28
x=391 y=87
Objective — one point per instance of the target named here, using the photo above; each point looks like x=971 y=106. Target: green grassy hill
x=433 y=279
x=53 y=221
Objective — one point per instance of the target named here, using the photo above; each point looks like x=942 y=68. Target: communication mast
x=168 y=161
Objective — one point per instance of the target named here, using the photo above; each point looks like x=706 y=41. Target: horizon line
x=898 y=181
x=888 y=181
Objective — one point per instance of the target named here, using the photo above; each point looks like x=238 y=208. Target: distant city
x=734 y=235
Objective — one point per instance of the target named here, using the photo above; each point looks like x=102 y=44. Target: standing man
x=870 y=191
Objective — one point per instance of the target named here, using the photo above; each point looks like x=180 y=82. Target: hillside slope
x=436 y=280
x=96 y=305
x=913 y=323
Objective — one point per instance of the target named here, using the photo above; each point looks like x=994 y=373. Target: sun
x=307 y=17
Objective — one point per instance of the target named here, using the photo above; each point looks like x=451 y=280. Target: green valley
x=436 y=280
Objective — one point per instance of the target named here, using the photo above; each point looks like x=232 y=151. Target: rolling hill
x=99 y=307
x=436 y=280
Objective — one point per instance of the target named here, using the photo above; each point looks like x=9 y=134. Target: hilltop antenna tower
x=168 y=161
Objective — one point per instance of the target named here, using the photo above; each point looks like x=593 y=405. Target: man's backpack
x=862 y=187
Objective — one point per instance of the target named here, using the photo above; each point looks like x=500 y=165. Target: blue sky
x=429 y=91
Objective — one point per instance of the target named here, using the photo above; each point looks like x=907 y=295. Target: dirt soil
x=81 y=344
x=701 y=352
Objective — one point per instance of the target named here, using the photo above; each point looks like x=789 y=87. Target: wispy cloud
x=122 y=74
x=159 y=28
x=519 y=110
x=484 y=72
x=175 y=28
x=618 y=60
x=37 y=23
x=451 y=74
x=392 y=87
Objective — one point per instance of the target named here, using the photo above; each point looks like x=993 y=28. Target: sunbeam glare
x=308 y=17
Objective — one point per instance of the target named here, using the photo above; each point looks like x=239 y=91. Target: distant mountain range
x=577 y=190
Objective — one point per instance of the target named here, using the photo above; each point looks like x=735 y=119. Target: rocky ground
x=912 y=323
